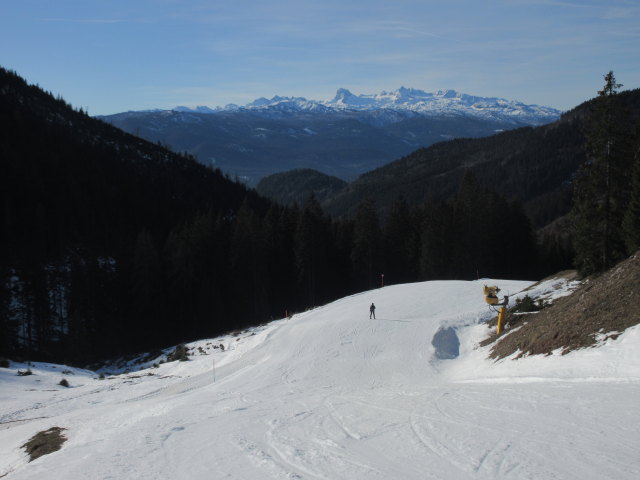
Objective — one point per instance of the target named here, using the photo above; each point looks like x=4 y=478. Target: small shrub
x=24 y=373
x=67 y=372
x=101 y=377
x=527 y=304
x=64 y=383
x=4 y=363
x=180 y=353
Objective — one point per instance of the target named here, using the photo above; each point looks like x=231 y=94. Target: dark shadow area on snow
x=446 y=343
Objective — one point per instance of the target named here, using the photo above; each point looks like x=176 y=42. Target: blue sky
x=110 y=56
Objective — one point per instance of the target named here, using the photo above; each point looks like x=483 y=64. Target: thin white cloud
x=87 y=20
x=622 y=13
x=398 y=29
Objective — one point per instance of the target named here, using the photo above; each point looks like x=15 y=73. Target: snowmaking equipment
x=491 y=297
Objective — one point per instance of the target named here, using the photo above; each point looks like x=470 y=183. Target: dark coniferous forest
x=112 y=245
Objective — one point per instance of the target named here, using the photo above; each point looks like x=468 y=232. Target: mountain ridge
x=407 y=100
x=343 y=137
x=533 y=165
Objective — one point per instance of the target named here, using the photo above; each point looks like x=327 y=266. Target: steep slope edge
x=602 y=307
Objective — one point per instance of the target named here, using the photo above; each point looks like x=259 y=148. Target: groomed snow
x=331 y=394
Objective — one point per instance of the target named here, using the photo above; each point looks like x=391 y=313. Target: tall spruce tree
x=249 y=266
x=631 y=223
x=365 y=254
x=602 y=187
x=437 y=238
x=401 y=234
x=312 y=238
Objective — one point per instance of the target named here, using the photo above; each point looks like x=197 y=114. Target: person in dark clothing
x=372 y=311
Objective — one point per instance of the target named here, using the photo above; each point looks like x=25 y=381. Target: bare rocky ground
x=601 y=307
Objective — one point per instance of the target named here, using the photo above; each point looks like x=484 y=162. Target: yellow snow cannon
x=491 y=295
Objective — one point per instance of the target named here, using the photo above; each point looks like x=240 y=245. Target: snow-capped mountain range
x=406 y=100
x=344 y=137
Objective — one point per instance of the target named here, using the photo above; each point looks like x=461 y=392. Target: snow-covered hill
x=407 y=101
x=332 y=394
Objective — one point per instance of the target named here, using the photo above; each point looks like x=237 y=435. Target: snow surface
x=331 y=394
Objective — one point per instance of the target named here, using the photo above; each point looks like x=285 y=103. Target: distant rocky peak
x=409 y=100
x=341 y=95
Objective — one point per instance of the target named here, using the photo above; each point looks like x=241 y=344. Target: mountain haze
x=344 y=137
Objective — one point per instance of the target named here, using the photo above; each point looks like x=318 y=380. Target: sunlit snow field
x=331 y=394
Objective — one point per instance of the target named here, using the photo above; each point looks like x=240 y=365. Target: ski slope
x=330 y=394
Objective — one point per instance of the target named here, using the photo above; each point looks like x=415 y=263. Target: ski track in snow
x=330 y=394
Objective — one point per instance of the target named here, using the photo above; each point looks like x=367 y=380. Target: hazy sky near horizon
x=109 y=56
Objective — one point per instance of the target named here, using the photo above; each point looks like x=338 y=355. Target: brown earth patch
x=607 y=304
x=45 y=442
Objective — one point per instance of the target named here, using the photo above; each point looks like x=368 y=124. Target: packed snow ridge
x=407 y=100
x=332 y=394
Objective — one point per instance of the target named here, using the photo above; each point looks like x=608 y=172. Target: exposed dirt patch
x=42 y=443
x=603 y=306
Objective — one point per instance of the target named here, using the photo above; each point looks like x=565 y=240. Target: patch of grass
x=45 y=442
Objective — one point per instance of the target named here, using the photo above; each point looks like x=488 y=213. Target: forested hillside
x=96 y=233
x=294 y=186
x=103 y=233
x=534 y=165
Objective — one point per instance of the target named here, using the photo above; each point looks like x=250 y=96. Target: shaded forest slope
x=534 y=165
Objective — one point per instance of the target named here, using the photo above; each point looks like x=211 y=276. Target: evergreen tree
x=476 y=230
x=8 y=328
x=365 y=255
x=436 y=241
x=147 y=284
x=193 y=292
x=249 y=267
x=602 y=187
x=631 y=223
x=401 y=244
x=279 y=228
x=311 y=251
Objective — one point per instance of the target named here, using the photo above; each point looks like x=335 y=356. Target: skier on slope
x=372 y=311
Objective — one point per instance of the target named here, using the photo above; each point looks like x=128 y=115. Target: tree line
x=606 y=202
x=220 y=271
